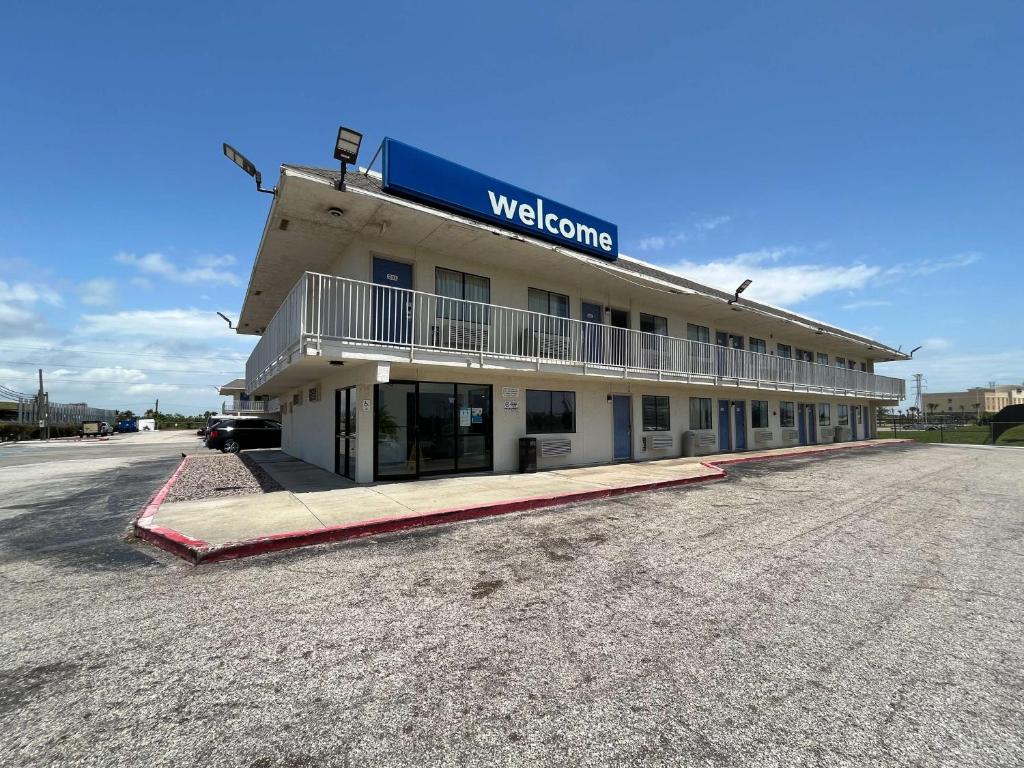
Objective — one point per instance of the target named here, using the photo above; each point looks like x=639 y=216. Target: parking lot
x=856 y=609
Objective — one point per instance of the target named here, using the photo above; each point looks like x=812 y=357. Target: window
x=700 y=413
x=463 y=287
x=851 y=364
x=785 y=350
x=548 y=303
x=758 y=414
x=550 y=412
x=840 y=362
x=758 y=345
x=787 y=414
x=843 y=415
x=824 y=414
x=822 y=358
x=654 y=324
x=655 y=413
x=864 y=367
x=698 y=333
x=805 y=355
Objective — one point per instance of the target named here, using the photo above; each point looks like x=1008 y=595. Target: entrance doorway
x=391 y=302
x=807 y=423
x=431 y=428
x=345 y=432
x=724 y=435
x=739 y=423
x=622 y=424
x=619 y=337
x=593 y=335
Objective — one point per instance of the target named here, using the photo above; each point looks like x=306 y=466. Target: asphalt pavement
x=849 y=610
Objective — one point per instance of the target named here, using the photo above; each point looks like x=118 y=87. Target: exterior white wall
x=309 y=427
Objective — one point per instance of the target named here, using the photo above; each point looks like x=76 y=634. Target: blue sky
x=862 y=162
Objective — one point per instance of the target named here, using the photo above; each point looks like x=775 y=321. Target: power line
x=108 y=382
x=35 y=363
x=100 y=351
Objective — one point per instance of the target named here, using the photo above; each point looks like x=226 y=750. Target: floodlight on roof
x=246 y=165
x=743 y=286
x=346 y=149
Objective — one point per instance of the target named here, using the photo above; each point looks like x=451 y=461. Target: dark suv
x=234 y=435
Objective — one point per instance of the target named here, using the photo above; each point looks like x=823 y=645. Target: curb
x=197 y=551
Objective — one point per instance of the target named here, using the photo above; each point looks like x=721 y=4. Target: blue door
x=622 y=420
x=724 y=443
x=854 y=412
x=812 y=423
x=391 y=318
x=593 y=335
x=739 y=415
x=801 y=422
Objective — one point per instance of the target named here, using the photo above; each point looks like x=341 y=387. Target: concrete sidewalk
x=318 y=506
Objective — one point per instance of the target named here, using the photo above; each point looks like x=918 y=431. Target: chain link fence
x=957 y=430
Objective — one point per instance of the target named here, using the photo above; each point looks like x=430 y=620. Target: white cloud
x=694 y=231
x=773 y=283
x=142 y=282
x=931 y=266
x=97 y=292
x=20 y=306
x=935 y=343
x=866 y=303
x=172 y=324
x=208 y=269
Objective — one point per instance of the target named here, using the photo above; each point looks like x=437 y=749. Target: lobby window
x=787 y=414
x=784 y=350
x=758 y=345
x=759 y=414
x=699 y=333
x=550 y=412
x=654 y=324
x=462 y=286
x=700 y=413
x=655 y=413
x=843 y=415
x=824 y=414
x=822 y=358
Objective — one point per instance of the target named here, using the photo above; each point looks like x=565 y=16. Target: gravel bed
x=221 y=474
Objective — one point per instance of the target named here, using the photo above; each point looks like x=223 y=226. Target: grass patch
x=1012 y=436
x=965 y=436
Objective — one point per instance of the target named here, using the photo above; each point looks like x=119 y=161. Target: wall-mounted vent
x=314 y=394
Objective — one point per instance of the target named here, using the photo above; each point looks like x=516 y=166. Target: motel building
x=421 y=320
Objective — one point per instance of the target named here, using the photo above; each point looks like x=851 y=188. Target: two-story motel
x=421 y=320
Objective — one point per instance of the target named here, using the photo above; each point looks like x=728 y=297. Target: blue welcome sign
x=419 y=175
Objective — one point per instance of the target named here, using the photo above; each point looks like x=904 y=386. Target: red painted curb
x=197 y=551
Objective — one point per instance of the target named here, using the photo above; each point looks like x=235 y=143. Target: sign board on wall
x=509 y=392
x=511 y=405
x=419 y=175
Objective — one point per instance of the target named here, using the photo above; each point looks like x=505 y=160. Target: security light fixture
x=246 y=165
x=736 y=296
x=335 y=212
x=915 y=350
x=346 y=149
x=227 y=320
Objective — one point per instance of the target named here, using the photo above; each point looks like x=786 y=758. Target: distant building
x=244 y=404
x=974 y=401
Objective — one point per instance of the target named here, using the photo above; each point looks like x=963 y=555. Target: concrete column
x=366 y=437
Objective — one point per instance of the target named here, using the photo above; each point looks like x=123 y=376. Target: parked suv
x=234 y=435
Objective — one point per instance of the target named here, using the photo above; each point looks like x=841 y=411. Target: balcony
x=237 y=407
x=325 y=315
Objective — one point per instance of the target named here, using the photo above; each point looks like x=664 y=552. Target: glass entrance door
x=432 y=428
x=345 y=432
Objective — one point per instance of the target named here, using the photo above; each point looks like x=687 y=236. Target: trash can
x=527 y=454
x=689 y=443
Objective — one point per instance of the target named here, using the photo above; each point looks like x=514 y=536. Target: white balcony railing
x=239 y=406
x=323 y=309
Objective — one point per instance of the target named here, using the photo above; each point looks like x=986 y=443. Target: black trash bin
x=527 y=454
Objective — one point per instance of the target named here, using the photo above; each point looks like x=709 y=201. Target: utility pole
x=918 y=387
x=41 y=407
x=156 y=415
